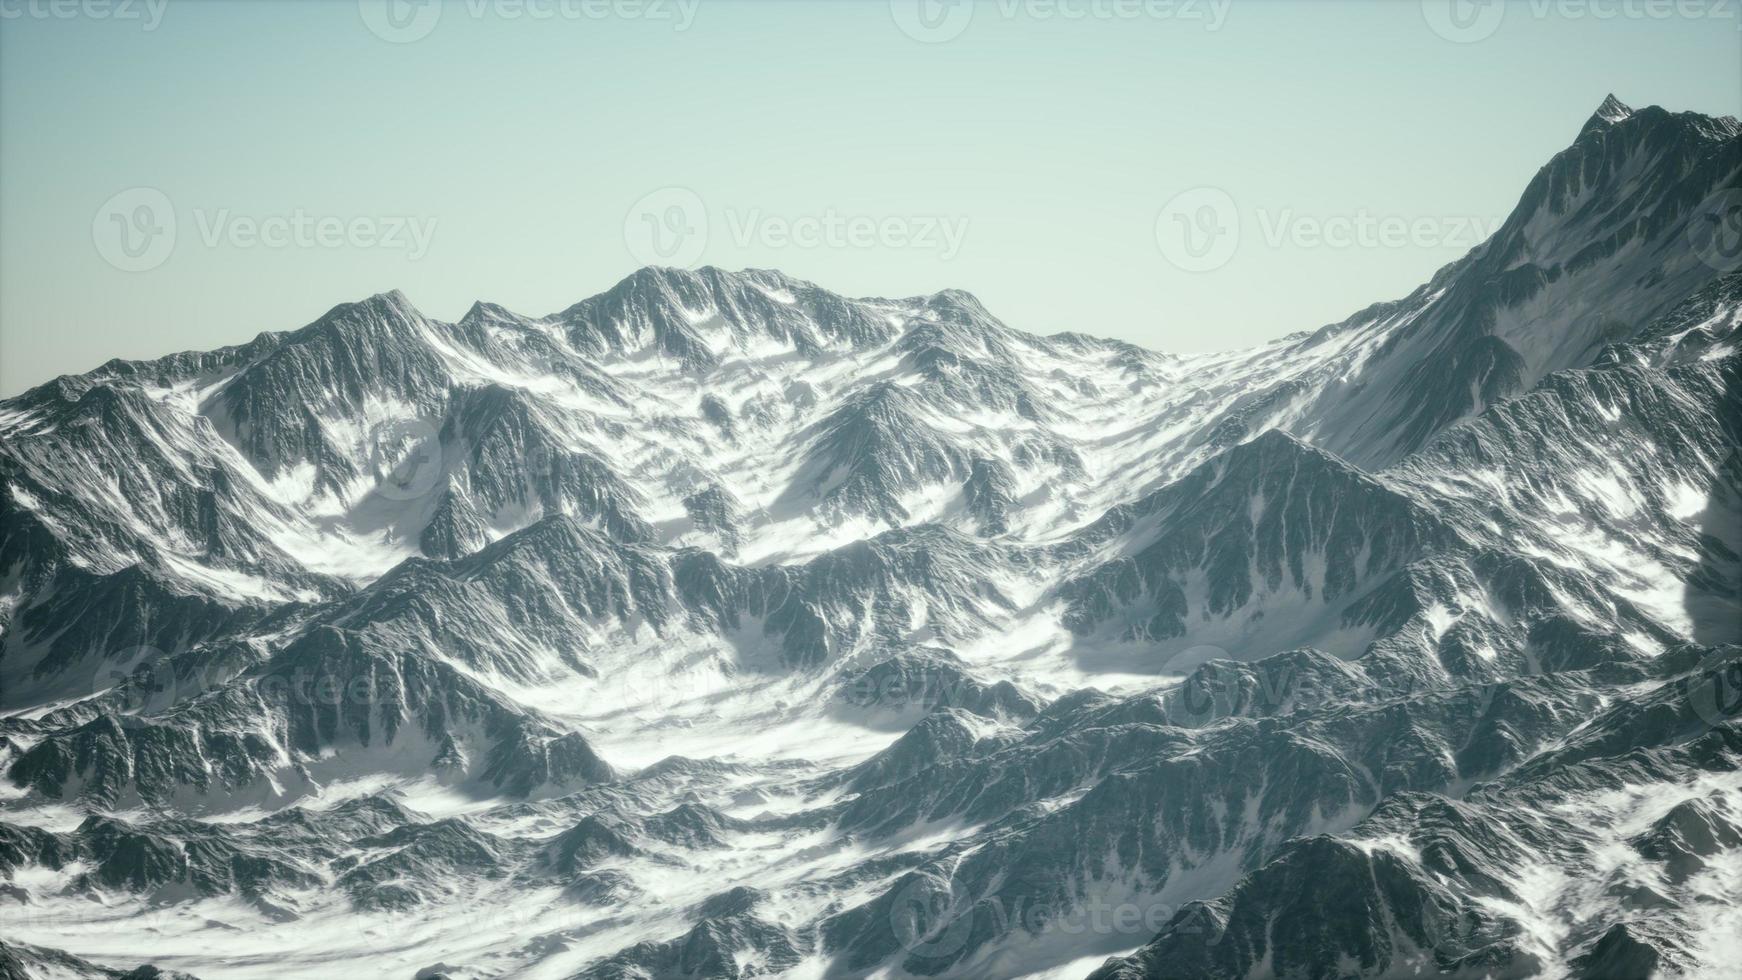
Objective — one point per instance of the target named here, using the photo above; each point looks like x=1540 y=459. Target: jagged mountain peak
x=958 y=304
x=359 y=331
x=1272 y=446
x=683 y=313
x=391 y=310
x=485 y=314
x=1274 y=458
x=566 y=534
x=1605 y=237
x=1612 y=111
x=1617 y=163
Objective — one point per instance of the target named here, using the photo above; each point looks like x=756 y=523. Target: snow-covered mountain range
x=722 y=626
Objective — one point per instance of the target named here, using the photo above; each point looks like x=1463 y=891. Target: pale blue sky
x=520 y=146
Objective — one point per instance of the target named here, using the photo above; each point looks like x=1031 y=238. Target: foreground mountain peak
x=1612 y=111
